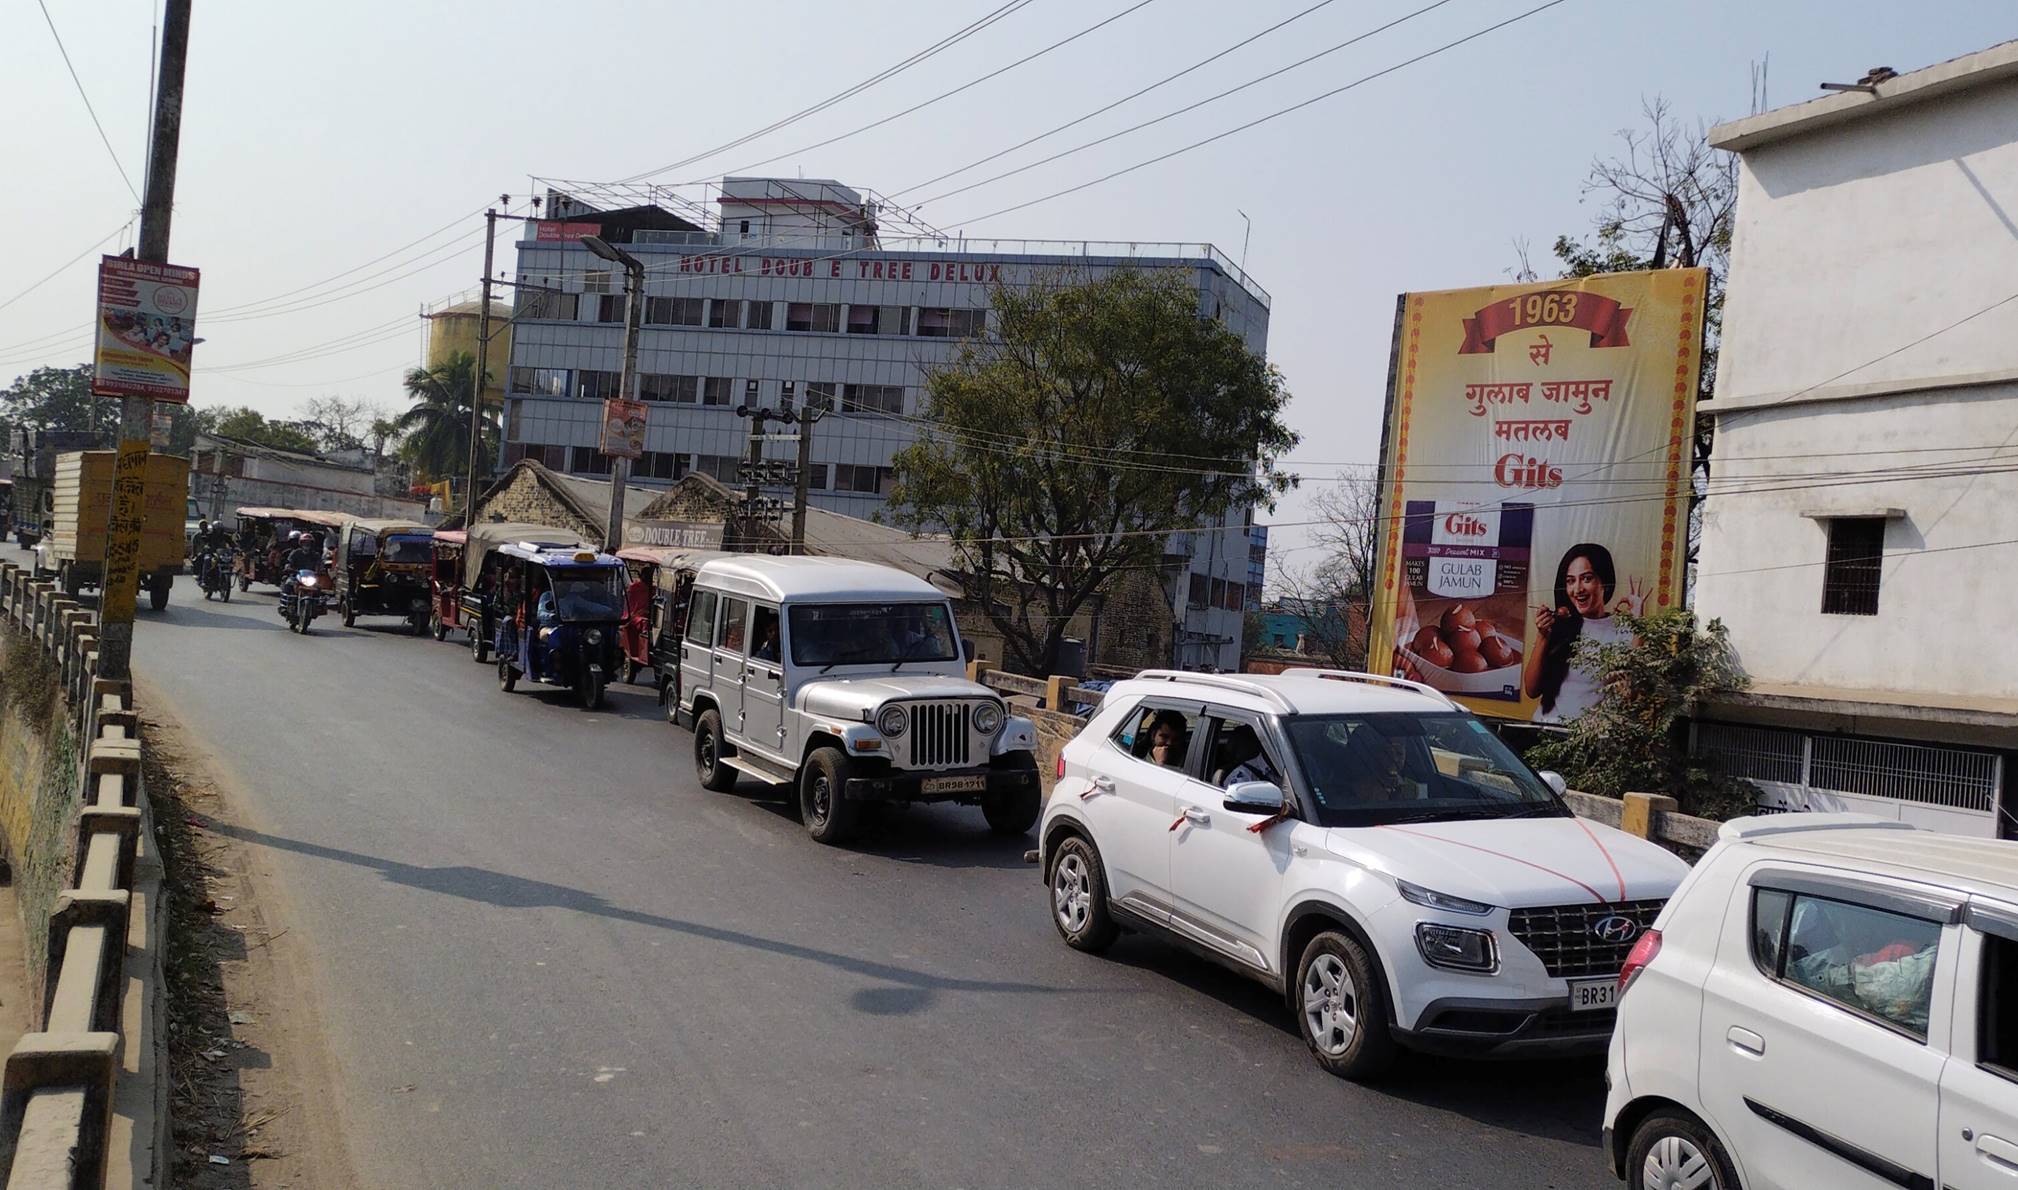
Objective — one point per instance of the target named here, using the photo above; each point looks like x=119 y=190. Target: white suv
x=1829 y=1000
x=1360 y=843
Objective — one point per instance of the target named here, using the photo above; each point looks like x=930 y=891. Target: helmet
x=294 y=535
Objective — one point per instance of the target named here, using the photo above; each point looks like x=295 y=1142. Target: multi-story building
x=791 y=287
x=1857 y=532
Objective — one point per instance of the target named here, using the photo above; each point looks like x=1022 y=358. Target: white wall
x=1855 y=247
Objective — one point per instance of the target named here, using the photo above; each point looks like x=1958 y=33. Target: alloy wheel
x=822 y=799
x=1072 y=893
x=1330 y=1004
x=1675 y=1163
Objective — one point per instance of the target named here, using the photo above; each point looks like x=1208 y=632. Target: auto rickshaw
x=557 y=612
x=486 y=577
x=655 y=610
x=262 y=542
x=382 y=569
x=445 y=582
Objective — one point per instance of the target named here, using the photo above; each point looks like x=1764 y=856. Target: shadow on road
x=197 y=616
x=908 y=990
x=1561 y=1099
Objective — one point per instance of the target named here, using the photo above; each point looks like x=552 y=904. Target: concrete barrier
x=83 y=1100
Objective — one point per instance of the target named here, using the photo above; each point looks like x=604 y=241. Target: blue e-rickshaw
x=558 y=618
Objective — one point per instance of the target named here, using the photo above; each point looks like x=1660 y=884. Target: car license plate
x=1588 y=995
x=954 y=784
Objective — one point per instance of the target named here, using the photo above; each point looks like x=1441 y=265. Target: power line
x=1199 y=144
x=66 y=264
x=87 y=101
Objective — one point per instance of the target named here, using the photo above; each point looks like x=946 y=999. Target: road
x=547 y=957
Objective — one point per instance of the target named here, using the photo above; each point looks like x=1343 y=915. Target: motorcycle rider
x=305 y=554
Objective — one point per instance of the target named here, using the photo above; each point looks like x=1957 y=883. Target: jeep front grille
x=940 y=734
x=1564 y=936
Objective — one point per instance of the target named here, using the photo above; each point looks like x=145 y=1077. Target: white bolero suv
x=1360 y=843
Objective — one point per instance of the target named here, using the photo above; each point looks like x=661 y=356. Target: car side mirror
x=966 y=649
x=1554 y=780
x=1254 y=797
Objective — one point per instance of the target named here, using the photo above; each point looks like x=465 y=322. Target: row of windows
x=654 y=464
x=1216 y=592
x=592 y=384
x=604 y=305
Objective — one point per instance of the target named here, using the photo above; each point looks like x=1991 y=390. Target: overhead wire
x=58 y=271
x=82 y=94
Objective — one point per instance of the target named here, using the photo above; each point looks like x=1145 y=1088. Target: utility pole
x=814 y=409
x=477 y=384
x=627 y=381
x=121 y=580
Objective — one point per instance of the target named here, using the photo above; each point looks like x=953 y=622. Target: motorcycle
x=302 y=600
x=214 y=572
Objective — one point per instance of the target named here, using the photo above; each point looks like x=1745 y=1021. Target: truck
x=81 y=503
x=31 y=502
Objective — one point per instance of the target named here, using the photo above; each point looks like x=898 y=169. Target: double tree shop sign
x=146 y=330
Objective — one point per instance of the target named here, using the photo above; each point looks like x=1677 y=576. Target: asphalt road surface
x=549 y=958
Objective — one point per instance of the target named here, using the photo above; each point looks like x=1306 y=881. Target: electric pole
x=627 y=380
x=814 y=409
x=477 y=384
x=120 y=581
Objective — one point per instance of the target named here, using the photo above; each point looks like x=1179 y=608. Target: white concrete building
x=1858 y=540
x=793 y=286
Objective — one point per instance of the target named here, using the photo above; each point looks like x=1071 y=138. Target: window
x=1875 y=962
x=597 y=281
x=816 y=477
x=554 y=456
x=743 y=227
x=733 y=612
x=1997 y=1007
x=539 y=382
x=590 y=461
x=812 y=316
x=721 y=467
x=1201 y=591
x=610 y=307
x=593 y=385
x=1856 y=555
x=1377 y=769
x=547 y=303
x=850 y=477
x=757 y=316
x=725 y=314
x=1237 y=749
x=715 y=390
x=656 y=464
x=764 y=633
x=1158 y=734
x=663 y=386
x=819 y=391
x=674 y=311
x=701 y=619
x=878 y=320
x=941 y=322
x=873 y=398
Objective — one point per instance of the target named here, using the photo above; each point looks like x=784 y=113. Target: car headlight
x=892 y=721
x=1431 y=899
x=594 y=636
x=1456 y=947
x=987 y=718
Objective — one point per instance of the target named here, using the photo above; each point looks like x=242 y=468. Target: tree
x=437 y=424
x=340 y=423
x=250 y=425
x=1635 y=739
x=1324 y=593
x=56 y=399
x=1100 y=416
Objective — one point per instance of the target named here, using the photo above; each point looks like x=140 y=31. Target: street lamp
x=634 y=301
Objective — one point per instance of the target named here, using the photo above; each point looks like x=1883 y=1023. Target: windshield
x=1370 y=770
x=588 y=594
x=406 y=549
x=871 y=633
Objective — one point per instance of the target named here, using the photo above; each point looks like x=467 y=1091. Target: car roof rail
x=1353 y=675
x=1224 y=682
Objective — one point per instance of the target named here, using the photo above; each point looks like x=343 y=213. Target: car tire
x=1673 y=1148
x=1079 y=897
x=630 y=672
x=823 y=805
x=709 y=749
x=157 y=591
x=507 y=677
x=1341 y=1007
x=1015 y=811
x=479 y=648
x=436 y=626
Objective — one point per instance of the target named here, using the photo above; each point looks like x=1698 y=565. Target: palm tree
x=437 y=426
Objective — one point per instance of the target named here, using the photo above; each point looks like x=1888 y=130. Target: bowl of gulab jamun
x=1464 y=652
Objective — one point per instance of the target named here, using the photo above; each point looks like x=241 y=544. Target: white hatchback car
x=1829 y=1000
x=1360 y=843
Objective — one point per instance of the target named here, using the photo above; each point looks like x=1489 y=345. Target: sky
x=318 y=138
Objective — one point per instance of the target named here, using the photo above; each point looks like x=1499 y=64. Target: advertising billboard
x=146 y=330
x=1534 y=482
x=624 y=428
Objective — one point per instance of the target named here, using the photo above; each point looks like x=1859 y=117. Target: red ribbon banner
x=1604 y=318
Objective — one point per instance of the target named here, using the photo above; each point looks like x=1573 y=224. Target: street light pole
x=627 y=383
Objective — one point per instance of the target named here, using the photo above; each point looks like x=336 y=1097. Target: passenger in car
x=1166 y=739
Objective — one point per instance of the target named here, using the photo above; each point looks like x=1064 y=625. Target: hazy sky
x=317 y=137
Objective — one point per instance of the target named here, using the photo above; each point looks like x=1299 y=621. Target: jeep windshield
x=1391 y=769
x=871 y=633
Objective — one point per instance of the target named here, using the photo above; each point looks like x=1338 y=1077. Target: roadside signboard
x=624 y=428
x=1534 y=482
x=146 y=330
x=548 y=231
x=685 y=535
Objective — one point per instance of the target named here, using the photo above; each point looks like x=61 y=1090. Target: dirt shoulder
x=251 y=1077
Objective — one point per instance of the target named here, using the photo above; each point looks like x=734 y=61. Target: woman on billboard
x=1581 y=610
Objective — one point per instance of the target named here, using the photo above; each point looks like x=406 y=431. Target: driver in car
x=1243 y=747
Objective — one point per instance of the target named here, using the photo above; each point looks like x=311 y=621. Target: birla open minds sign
x=146 y=330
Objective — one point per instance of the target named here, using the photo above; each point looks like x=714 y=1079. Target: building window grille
x=1856 y=558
